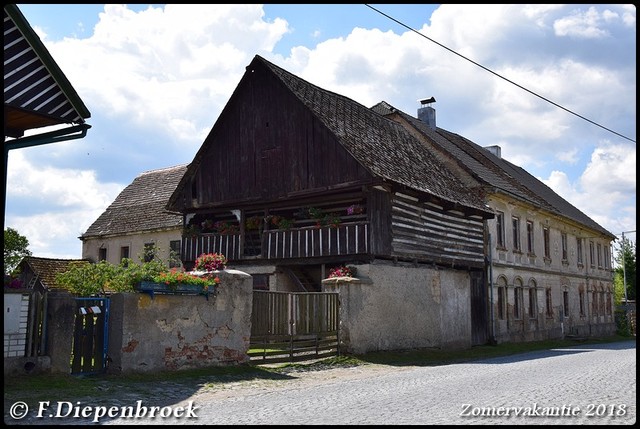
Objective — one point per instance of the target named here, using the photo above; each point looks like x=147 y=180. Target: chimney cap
x=424 y=101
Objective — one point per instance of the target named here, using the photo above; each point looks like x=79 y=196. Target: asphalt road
x=583 y=385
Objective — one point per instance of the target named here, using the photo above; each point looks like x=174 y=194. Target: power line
x=500 y=76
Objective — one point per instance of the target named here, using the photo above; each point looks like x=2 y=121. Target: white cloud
x=160 y=77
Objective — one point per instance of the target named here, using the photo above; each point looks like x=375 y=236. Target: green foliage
x=86 y=279
x=626 y=269
x=15 y=248
x=623 y=324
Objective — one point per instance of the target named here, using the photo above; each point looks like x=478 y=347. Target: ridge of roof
x=497 y=171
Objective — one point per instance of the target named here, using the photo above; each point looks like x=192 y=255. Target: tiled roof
x=46 y=268
x=496 y=172
x=141 y=205
x=382 y=146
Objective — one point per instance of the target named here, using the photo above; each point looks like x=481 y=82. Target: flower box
x=179 y=289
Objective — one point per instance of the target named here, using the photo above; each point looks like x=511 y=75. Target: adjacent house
x=549 y=264
x=25 y=312
x=136 y=225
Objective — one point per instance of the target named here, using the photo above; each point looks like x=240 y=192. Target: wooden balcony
x=308 y=242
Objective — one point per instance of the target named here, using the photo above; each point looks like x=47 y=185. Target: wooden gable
x=268 y=145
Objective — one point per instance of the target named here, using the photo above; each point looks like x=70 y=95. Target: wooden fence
x=294 y=326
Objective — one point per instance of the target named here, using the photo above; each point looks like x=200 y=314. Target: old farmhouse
x=422 y=213
x=136 y=225
x=453 y=245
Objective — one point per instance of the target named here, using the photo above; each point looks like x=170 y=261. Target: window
x=149 y=252
x=515 y=223
x=565 y=250
x=502 y=298
x=533 y=302
x=174 y=254
x=579 y=250
x=591 y=254
x=599 y=254
x=548 y=304
x=608 y=310
x=581 y=296
x=517 y=300
x=530 y=237
x=260 y=281
x=594 y=303
x=545 y=236
x=565 y=303
x=124 y=252
x=102 y=254
x=607 y=258
x=500 y=229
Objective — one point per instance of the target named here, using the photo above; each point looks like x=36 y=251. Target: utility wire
x=501 y=77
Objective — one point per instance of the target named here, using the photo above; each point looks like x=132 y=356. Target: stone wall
x=393 y=307
x=175 y=332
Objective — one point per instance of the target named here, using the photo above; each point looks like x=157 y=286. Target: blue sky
x=156 y=77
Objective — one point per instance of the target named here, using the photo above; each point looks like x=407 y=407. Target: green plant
x=315 y=213
x=86 y=279
x=281 y=222
x=253 y=223
x=225 y=227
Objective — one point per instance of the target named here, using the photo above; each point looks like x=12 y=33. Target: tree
x=625 y=270
x=15 y=248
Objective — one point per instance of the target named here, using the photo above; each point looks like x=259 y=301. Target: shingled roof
x=46 y=269
x=496 y=172
x=141 y=205
x=383 y=147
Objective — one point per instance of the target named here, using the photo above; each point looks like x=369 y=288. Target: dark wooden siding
x=269 y=146
x=426 y=233
x=380 y=220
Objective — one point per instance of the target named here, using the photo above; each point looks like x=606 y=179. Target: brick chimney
x=426 y=113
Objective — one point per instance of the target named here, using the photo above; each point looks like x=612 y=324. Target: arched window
x=548 y=302
x=502 y=298
x=517 y=299
x=533 y=299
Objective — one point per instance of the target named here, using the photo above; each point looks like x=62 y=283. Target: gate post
x=60 y=315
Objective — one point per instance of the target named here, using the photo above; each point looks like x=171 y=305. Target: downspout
x=491 y=315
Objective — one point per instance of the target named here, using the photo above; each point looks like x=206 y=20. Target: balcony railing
x=308 y=242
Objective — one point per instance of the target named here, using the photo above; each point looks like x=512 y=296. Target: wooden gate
x=294 y=326
x=479 y=319
x=90 y=335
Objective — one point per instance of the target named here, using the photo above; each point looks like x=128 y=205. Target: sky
x=553 y=85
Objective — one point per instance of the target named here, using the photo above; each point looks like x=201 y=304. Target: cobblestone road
x=586 y=385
